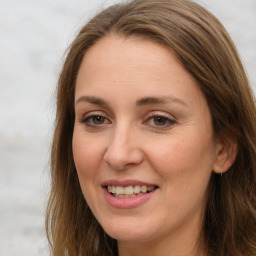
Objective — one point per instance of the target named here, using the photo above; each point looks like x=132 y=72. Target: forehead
x=136 y=66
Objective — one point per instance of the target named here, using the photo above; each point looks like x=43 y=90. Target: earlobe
x=226 y=152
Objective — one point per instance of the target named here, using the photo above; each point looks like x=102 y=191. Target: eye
x=160 y=121
x=95 y=120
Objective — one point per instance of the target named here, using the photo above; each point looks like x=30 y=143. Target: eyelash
x=168 y=122
x=89 y=121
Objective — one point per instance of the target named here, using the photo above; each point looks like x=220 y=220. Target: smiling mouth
x=129 y=191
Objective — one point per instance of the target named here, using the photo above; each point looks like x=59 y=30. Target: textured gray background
x=33 y=37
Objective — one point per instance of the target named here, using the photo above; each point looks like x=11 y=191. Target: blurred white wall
x=33 y=36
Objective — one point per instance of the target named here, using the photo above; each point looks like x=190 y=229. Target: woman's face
x=143 y=141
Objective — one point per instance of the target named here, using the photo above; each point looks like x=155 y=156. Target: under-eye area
x=129 y=191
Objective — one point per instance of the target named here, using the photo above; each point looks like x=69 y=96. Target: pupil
x=159 y=121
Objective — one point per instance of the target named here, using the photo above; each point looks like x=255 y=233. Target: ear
x=226 y=152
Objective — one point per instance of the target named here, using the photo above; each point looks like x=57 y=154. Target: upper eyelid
x=160 y=113
x=94 y=113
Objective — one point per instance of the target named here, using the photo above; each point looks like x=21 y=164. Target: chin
x=128 y=236
x=128 y=231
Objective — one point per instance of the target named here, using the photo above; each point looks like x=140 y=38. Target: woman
x=154 y=145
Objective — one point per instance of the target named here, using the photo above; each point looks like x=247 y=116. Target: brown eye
x=160 y=120
x=98 y=119
x=95 y=120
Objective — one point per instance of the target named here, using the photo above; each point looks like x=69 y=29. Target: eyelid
x=160 y=113
x=94 y=113
x=170 y=118
x=86 y=119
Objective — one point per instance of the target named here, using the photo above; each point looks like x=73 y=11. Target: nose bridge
x=123 y=149
x=121 y=134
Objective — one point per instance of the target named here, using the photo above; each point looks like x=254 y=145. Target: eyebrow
x=159 y=100
x=92 y=100
x=140 y=102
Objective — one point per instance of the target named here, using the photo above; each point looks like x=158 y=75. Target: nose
x=123 y=150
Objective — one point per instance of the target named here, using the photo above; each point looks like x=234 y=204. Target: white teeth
x=144 y=189
x=119 y=190
x=136 y=189
x=129 y=190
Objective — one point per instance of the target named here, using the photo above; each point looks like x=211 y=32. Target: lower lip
x=127 y=203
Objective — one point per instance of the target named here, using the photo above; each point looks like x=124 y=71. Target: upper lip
x=125 y=183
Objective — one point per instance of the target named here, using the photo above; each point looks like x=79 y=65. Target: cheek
x=187 y=159
x=185 y=165
x=87 y=154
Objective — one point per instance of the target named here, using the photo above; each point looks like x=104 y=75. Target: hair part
x=204 y=47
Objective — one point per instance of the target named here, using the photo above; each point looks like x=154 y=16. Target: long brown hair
x=208 y=53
